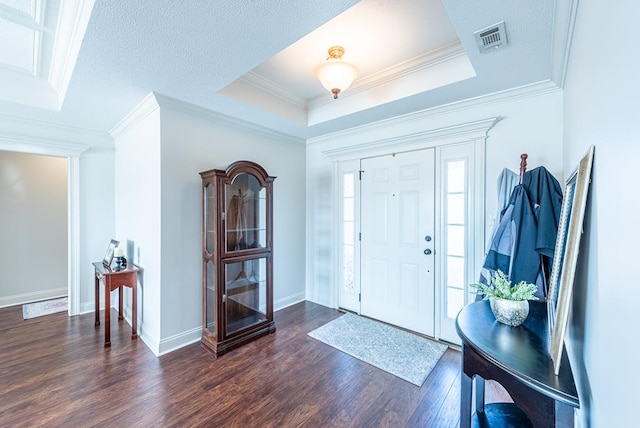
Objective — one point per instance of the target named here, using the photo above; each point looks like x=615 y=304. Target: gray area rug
x=405 y=355
x=44 y=307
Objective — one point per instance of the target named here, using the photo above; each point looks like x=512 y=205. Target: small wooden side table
x=518 y=358
x=112 y=279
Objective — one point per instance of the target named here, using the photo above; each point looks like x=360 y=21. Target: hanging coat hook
x=523 y=165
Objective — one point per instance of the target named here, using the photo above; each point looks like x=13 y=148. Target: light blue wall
x=601 y=109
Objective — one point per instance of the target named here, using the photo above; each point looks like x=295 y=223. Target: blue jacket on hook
x=524 y=241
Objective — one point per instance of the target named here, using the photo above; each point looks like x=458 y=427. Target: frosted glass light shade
x=336 y=75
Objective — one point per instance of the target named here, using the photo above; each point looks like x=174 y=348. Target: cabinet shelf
x=242 y=283
x=237 y=258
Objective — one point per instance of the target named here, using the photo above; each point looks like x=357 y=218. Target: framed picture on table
x=108 y=256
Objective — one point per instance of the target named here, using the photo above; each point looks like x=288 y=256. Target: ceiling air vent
x=492 y=37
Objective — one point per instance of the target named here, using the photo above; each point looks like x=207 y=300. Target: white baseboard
x=180 y=340
x=21 y=299
x=185 y=338
x=288 y=301
x=86 y=307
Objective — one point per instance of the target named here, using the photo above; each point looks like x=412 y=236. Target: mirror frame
x=566 y=255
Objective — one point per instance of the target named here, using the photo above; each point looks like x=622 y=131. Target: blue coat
x=524 y=241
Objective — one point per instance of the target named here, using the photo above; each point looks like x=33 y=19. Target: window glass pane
x=347 y=185
x=348 y=211
x=348 y=232
x=455 y=301
x=455 y=240
x=17 y=44
x=456 y=176
x=347 y=268
x=455 y=272
x=455 y=208
x=26 y=6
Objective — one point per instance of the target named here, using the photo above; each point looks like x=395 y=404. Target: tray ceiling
x=87 y=65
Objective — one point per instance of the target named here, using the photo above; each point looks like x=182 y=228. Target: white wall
x=531 y=122
x=160 y=150
x=601 y=109
x=138 y=211
x=33 y=224
x=194 y=141
x=97 y=216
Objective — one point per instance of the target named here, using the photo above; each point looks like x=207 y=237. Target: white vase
x=510 y=312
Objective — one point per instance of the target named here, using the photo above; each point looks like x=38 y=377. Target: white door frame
x=72 y=152
x=471 y=132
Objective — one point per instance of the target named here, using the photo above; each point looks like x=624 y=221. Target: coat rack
x=523 y=165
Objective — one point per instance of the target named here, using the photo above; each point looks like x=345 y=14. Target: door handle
x=427 y=252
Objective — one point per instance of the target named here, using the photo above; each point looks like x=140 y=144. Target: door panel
x=397 y=211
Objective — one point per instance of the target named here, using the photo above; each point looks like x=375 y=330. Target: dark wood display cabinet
x=237 y=256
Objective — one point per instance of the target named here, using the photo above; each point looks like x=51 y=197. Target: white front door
x=397 y=242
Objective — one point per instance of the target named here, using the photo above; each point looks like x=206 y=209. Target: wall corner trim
x=148 y=105
x=563 y=25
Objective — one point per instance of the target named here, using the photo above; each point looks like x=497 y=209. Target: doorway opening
x=33 y=226
x=72 y=152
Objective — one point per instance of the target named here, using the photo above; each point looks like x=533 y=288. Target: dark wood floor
x=55 y=372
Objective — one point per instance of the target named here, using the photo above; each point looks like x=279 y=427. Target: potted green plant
x=509 y=303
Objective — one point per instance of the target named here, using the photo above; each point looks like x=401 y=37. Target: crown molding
x=40 y=146
x=206 y=114
x=435 y=137
x=563 y=26
x=520 y=92
x=28 y=135
x=144 y=108
x=263 y=84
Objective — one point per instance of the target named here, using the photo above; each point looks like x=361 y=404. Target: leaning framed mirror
x=566 y=255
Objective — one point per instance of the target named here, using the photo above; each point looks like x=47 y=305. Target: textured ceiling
x=192 y=50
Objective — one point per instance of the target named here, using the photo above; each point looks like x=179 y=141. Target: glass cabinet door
x=209 y=244
x=209 y=218
x=245 y=294
x=246 y=214
x=210 y=310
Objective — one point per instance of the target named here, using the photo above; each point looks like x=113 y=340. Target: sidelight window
x=455 y=217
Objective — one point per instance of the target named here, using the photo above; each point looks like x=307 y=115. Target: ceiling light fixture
x=335 y=74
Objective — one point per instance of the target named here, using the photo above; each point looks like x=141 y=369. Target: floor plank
x=54 y=371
